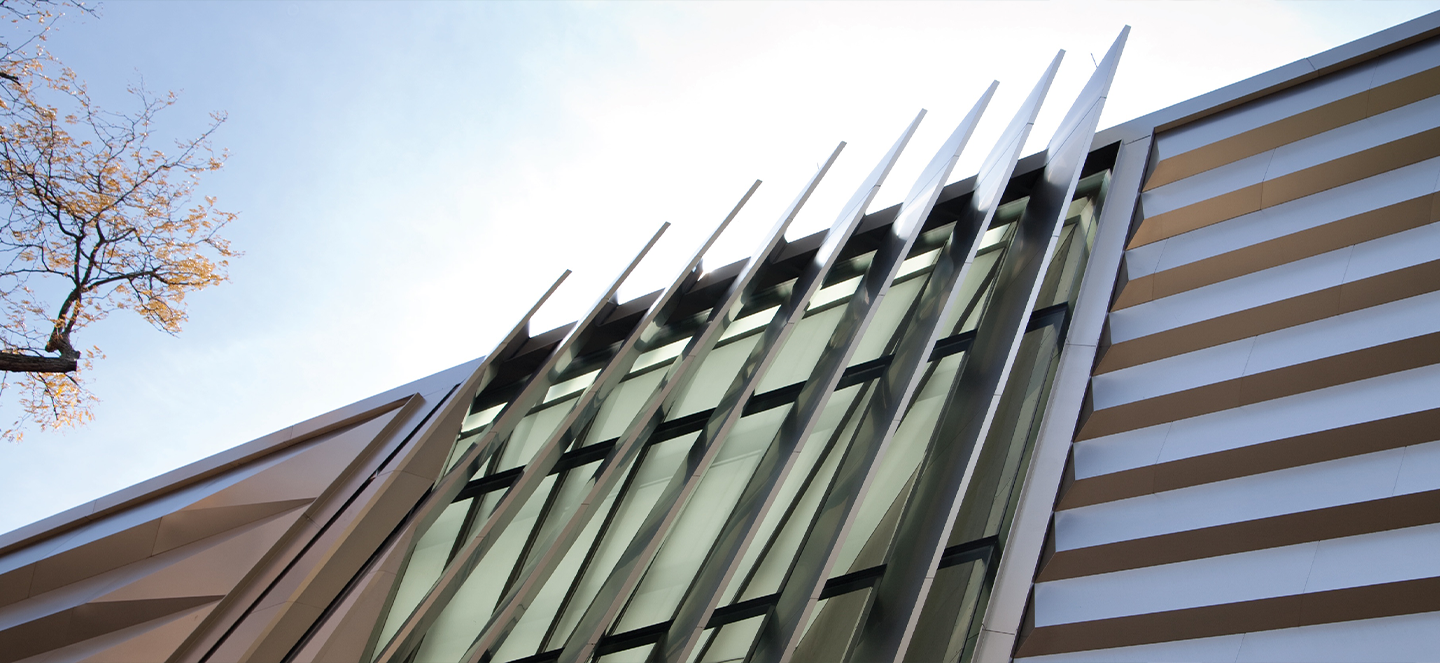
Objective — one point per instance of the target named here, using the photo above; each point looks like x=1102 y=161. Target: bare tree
x=96 y=220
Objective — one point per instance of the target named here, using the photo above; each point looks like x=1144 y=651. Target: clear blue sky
x=410 y=176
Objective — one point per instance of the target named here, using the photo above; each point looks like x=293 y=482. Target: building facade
x=1160 y=392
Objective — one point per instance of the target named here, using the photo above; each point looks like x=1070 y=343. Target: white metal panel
x=1398 y=251
x=1354 y=561
x=1220 y=649
x=1264 y=111
x=1352 y=263
x=1336 y=86
x=1121 y=451
x=1348 y=332
x=1342 y=405
x=1247 y=576
x=1294 y=216
x=1406 y=62
x=1305 y=488
x=1311 y=341
x=1373 y=559
x=1209 y=184
x=1403 y=638
x=1145 y=260
x=1237 y=294
x=1354 y=137
x=1355 y=402
x=1171 y=374
x=1420 y=470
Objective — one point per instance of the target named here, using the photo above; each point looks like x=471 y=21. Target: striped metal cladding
x=1261 y=411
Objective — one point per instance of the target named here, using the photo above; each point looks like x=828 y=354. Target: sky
x=410 y=177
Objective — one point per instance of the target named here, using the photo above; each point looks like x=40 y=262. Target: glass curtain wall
x=954 y=606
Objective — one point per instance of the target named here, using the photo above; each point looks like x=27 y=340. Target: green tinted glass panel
x=833 y=293
x=619 y=410
x=797 y=357
x=714 y=376
x=892 y=479
x=695 y=529
x=640 y=492
x=894 y=309
x=469 y=610
x=970 y=295
x=426 y=564
x=528 y=635
x=570 y=386
x=729 y=643
x=531 y=433
x=833 y=625
x=784 y=527
x=1007 y=445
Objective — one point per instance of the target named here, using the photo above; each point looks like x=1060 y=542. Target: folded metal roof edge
x=236 y=456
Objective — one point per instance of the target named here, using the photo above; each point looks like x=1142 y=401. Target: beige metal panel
x=337 y=542
x=342 y=636
x=78 y=625
x=140 y=644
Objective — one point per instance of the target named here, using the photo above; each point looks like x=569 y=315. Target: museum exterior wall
x=1162 y=392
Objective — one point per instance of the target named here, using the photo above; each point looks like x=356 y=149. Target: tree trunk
x=16 y=363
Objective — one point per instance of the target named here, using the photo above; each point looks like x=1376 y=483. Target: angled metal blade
x=413 y=629
x=760 y=492
x=646 y=542
x=783 y=629
x=955 y=448
x=552 y=549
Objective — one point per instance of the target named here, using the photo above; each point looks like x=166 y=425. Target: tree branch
x=18 y=363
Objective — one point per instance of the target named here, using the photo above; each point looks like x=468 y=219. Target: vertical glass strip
x=1017 y=418
x=945 y=630
x=760 y=491
x=529 y=633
